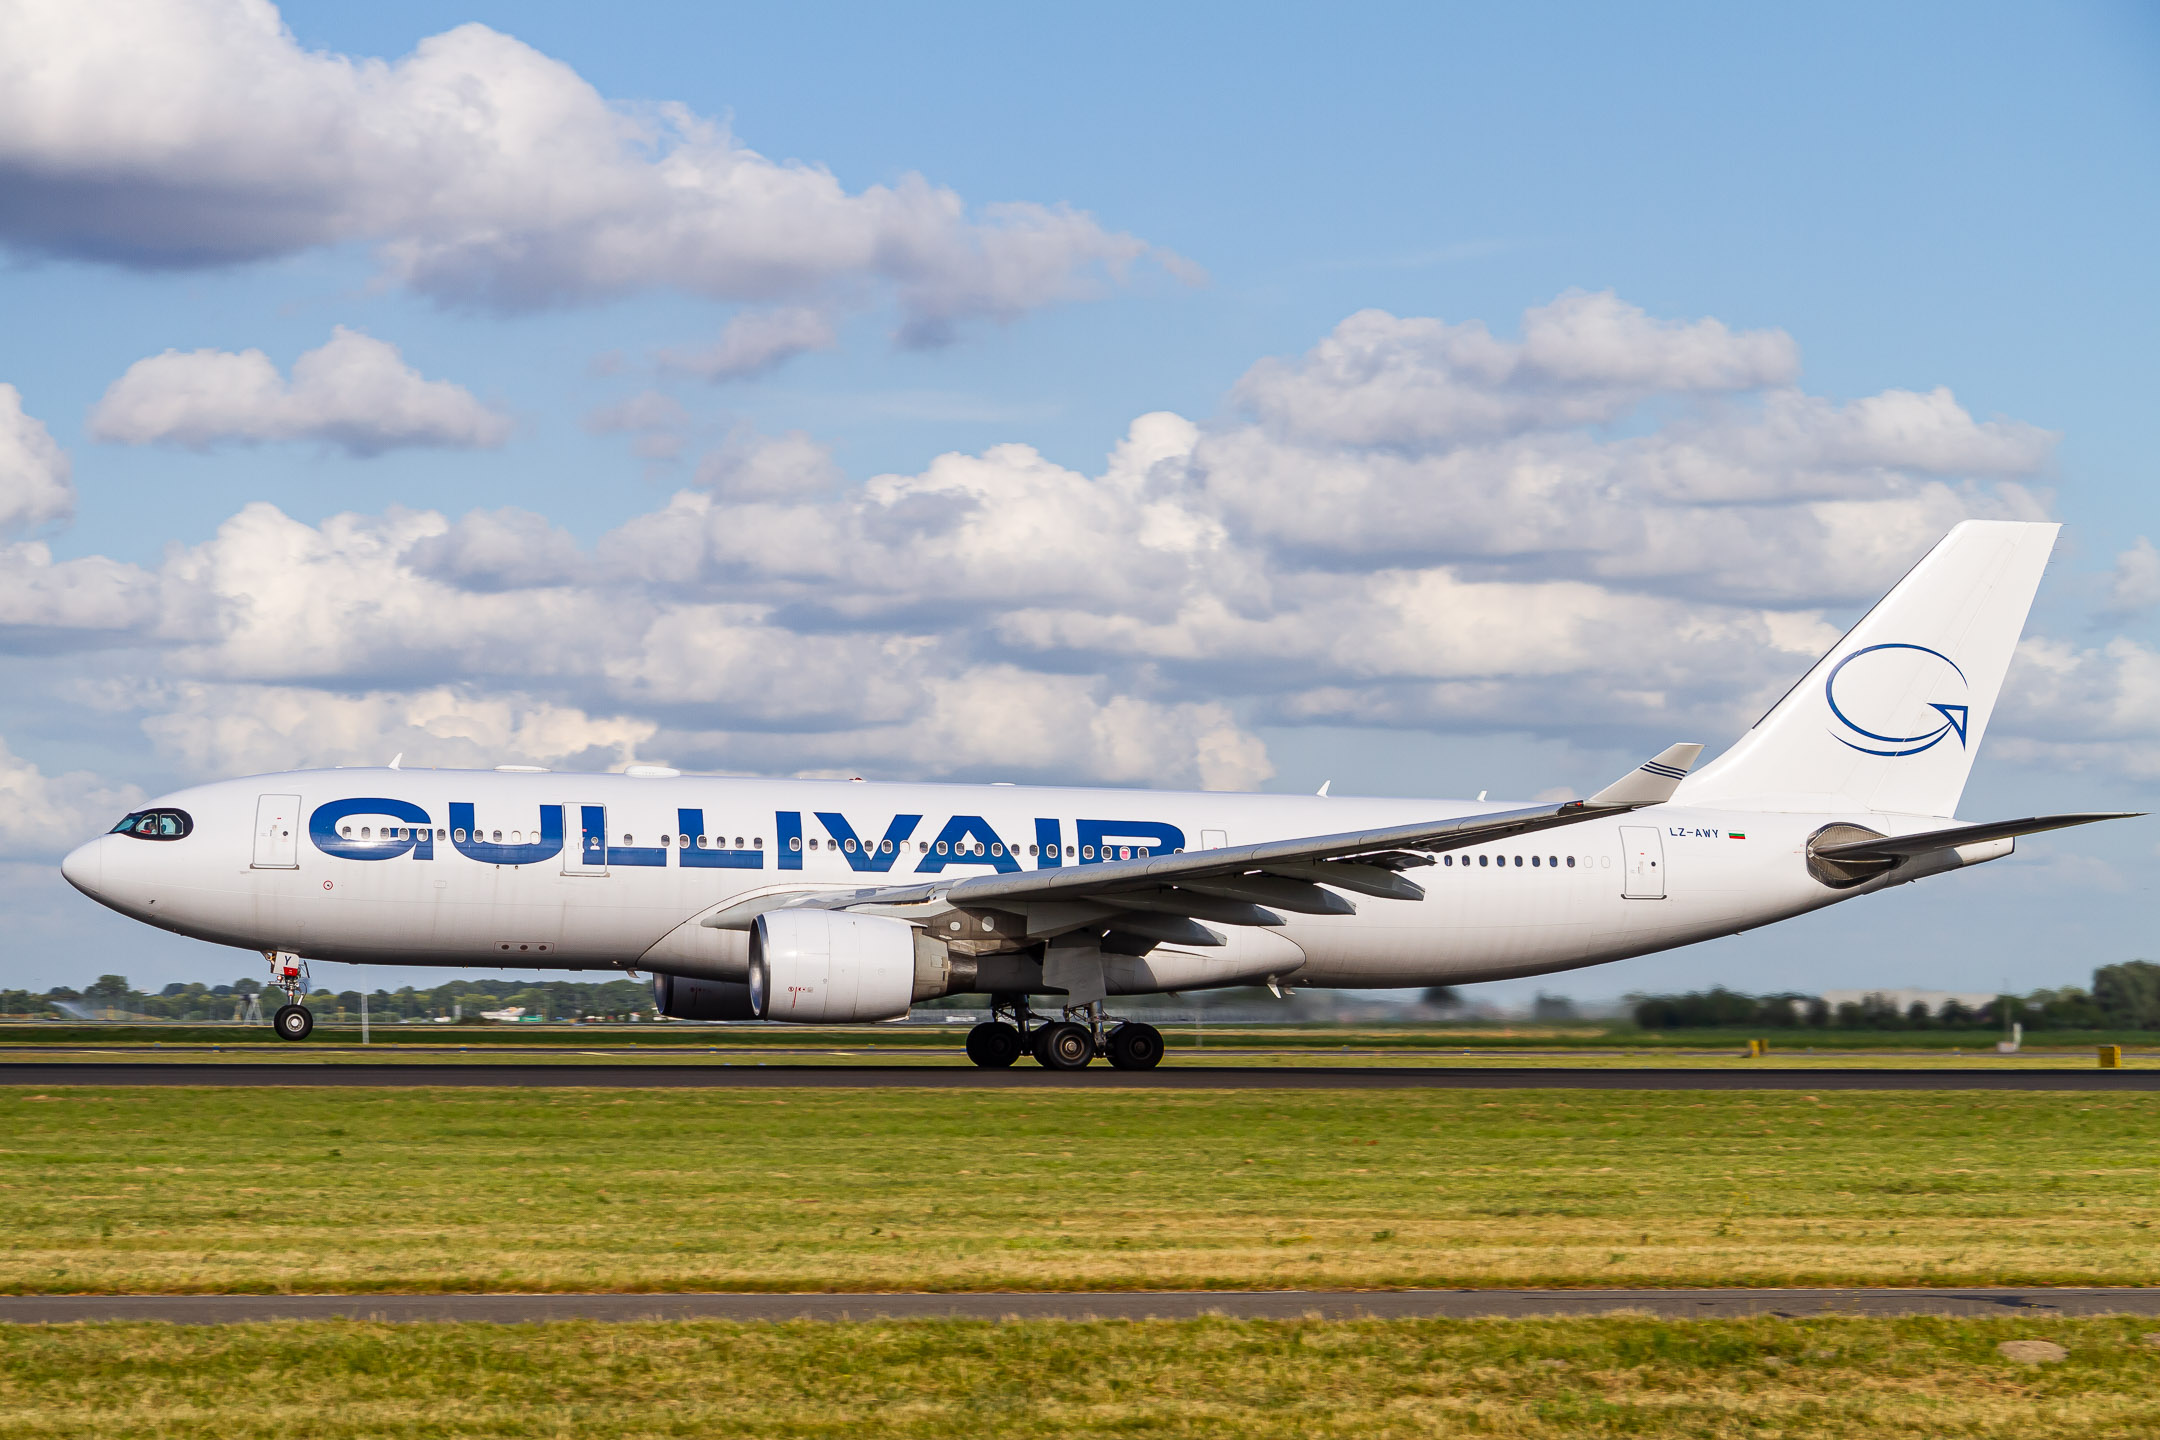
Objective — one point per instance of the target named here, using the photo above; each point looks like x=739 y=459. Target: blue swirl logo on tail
x=1956 y=718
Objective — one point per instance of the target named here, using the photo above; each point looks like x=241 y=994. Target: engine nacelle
x=823 y=966
x=686 y=997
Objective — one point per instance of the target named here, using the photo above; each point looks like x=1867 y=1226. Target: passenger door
x=277 y=832
x=1642 y=860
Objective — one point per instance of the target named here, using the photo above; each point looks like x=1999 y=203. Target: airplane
x=829 y=901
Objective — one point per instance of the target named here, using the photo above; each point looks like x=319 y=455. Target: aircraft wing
x=1896 y=847
x=1166 y=897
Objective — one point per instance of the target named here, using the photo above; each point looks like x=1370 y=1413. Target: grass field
x=504 y=1189
x=1606 y=1377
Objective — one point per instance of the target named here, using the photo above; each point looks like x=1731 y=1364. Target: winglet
x=1653 y=781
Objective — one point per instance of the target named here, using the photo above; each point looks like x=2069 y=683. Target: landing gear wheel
x=293 y=1022
x=1064 y=1046
x=994 y=1045
x=1134 y=1046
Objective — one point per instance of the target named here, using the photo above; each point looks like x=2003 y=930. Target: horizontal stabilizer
x=1653 y=781
x=1894 y=847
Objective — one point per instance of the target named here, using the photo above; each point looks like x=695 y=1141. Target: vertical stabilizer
x=1891 y=718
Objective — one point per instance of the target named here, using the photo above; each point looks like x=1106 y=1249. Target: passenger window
x=997 y=847
x=460 y=834
x=1571 y=862
x=1533 y=860
x=1087 y=852
x=794 y=842
x=941 y=847
x=848 y=845
x=1484 y=859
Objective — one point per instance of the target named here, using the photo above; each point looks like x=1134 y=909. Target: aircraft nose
x=84 y=867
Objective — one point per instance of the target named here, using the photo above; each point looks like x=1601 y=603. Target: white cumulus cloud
x=999 y=615
x=355 y=392
x=44 y=816
x=190 y=132
x=34 y=485
x=755 y=342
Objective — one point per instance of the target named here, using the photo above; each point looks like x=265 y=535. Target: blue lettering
x=1049 y=835
x=419 y=842
x=869 y=855
x=1106 y=835
x=787 y=838
x=967 y=830
x=474 y=848
x=692 y=823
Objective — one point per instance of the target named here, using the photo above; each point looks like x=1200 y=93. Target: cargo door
x=585 y=847
x=1642 y=859
x=277 y=832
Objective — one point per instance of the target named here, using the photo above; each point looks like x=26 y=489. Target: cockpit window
x=156 y=824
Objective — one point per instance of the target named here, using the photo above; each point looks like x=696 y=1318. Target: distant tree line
x=111 y=995
x=2123 y=997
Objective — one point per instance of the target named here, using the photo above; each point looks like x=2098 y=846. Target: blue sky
x=1954 y=197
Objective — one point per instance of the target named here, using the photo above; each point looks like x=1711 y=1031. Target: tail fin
x=1891 y=718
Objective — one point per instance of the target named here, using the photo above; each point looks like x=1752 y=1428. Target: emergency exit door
x=1642 y=858
x=277 y=832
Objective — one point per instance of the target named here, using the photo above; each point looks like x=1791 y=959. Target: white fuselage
x=570 y=871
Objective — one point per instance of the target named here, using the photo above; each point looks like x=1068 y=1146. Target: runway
x=757 y=1075
x=1084 y=1305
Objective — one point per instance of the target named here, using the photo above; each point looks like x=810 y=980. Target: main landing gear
x=289 y=973
x=1067 y=1044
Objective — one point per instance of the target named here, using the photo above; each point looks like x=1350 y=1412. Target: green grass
x=1919 y=1378
x=421 y=1189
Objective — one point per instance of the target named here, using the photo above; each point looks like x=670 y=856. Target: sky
x=1422 y=399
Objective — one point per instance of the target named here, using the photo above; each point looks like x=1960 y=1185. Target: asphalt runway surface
x=1137 y=1305
x=756 y=1075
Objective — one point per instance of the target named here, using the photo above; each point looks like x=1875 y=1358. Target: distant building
x=1904 y=1000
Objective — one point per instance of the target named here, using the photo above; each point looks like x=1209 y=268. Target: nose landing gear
x=289 y=973
x=1067 y=1044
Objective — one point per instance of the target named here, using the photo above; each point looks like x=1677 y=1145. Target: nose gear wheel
x=289 y=973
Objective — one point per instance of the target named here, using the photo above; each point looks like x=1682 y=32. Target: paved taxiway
x=752 y=1075
x=1082 y=1305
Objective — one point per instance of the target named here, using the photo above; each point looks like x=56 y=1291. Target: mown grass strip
x=1536 y=1379
x=187 y=1190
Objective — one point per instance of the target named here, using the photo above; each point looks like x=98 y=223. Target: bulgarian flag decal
x=1734 y=835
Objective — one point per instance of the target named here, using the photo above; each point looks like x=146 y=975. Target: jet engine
x=820 y=966
x=686 y=997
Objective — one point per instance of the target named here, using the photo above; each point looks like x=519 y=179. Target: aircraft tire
x=293 y=1022
x=1064 y=1046
x=994 y=1045
x=1134 y=1046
